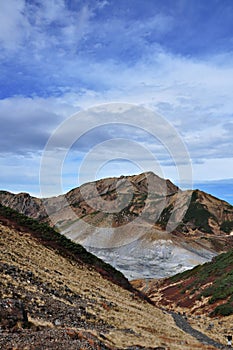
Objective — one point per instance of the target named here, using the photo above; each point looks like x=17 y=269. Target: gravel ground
x=185 y=326
x=54 y=339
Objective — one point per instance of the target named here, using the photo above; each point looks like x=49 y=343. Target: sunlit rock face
x=162 y=258
x=142 y=224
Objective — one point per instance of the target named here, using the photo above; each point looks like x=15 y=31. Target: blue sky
x=60 y=57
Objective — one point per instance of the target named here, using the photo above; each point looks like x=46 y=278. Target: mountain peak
x=138 y=216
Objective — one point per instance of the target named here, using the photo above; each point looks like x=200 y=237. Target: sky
x=62 y=57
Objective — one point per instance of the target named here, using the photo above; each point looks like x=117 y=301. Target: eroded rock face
x=158 y=259
x=193 y=225
x=159 y=201
x=24 y=203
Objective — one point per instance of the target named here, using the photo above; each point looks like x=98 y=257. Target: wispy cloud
x=14 y=25
x=41 y=26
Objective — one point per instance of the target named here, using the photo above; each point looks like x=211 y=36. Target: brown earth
x=49 y=300
x=159 y=202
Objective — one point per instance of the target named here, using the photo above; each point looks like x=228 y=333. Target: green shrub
x=227 y=226
x=220 y=272
x=198 y=214
x=165 y=215
x=223 y=310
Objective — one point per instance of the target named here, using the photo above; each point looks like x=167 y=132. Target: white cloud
x=20 y=173
x=213 y=169
x=13 y=24
x=84 y=61
x=36 y=27
x=102 y=4
x=26 y=123
x=195 y=106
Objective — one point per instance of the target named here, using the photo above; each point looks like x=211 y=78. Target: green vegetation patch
x=227 y=226
x=220 y=272
x=198 y=215
x=223 y=310
x=165 y=215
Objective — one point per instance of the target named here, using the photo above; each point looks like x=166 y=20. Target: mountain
x=204 y=295
x=143 y=225
x=206 y=288
x=55 y=295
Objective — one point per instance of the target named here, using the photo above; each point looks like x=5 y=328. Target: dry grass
x=197 y=315
x=148 y=325
x=217 y=328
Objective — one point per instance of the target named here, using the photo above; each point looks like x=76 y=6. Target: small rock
x=57 y=322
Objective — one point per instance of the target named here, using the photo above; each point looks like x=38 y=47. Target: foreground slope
x=53 y=296
x=142 y=224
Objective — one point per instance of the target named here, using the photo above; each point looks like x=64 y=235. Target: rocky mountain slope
x=206 y=289
x=55 y=295
x=204 y=294
x=143 y=225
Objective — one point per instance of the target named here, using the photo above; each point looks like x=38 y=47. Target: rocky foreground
x=52 y=299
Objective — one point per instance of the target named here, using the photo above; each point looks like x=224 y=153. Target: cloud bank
x=60 y=57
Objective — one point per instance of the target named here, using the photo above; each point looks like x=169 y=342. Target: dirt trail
x=185 y=326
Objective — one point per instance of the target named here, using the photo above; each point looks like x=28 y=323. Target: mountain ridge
x=56 y=301
x=135 y=216
x=25 y=203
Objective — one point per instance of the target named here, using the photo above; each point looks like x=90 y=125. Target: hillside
x=207 y=288
x=53 y=295
x=51 y=238
x=143 y=225
x=204 y=294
